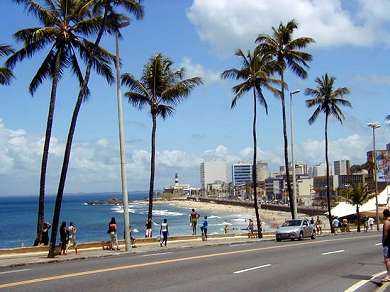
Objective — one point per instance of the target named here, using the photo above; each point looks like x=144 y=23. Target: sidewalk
x=40 y=257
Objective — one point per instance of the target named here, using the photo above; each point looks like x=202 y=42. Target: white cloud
x=228 y=25
x=376 y=79
x=198 y=70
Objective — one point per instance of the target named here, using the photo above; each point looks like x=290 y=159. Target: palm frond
x=5 y=76
x=137 y=100
x=165 y=110
x=43 y=72
x=175 y=93
x=5 y=50
x=315 y=115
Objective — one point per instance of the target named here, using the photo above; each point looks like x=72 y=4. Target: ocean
x=19 y=215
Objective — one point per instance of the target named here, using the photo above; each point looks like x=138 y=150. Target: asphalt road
x=325 y=264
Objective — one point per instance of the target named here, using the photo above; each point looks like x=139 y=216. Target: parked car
x=295 y=229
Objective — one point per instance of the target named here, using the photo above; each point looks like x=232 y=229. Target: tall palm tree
x=64 y=24
x=160 y=89
x=111 y=21
x=287 y=51
x=327 y=99
x=254 y=75
x=357 y=195
x=5 y=73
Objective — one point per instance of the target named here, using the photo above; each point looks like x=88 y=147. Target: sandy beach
x=269 y=217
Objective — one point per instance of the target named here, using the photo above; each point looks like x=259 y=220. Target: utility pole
x=374 y=170
x=122 y=146
x=294 y=202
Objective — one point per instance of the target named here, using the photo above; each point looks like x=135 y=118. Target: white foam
x=166 y=213
x=214 y=217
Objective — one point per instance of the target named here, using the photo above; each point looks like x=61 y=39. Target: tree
x=254 y=75
x=64 y=26
x=326 y=99
x=288 y=53
x=5 y=73
x=160 y=90
x=111 y=21
x=357 y=195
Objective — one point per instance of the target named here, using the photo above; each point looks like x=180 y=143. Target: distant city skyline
x=201 y=36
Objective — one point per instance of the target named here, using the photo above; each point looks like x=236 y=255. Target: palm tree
x=287 y=51
x=254 y=75
x=327 y=100
x=111 y=21
x=63 y=27
x=5 y=73
x=357 y=195
x=160 y=89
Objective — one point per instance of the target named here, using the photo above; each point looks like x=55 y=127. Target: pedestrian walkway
x=25 y=258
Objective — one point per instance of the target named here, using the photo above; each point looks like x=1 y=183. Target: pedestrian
x=164 y=233
x=251 y=229
x=72 y=237
x=194 y=216
x=64 y=237
x=319 y=225
x=312 y=221
x=386 y=243
x=45 y=233
x=132 y=237
x=336 y=224
x=112 y=230
x=365 y=224
x=203 y=228
x=371 y=223
x=148 y=228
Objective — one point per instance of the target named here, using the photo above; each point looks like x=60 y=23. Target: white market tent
x=344 y=209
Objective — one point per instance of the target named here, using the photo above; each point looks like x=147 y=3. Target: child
x=132 y=237
x=203 y=228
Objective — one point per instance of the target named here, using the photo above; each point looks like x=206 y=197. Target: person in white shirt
x=371 y=223
x=164 y=233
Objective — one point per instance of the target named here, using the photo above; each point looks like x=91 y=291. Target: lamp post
x=374 y=126
x=122 y=147
x=294 y=202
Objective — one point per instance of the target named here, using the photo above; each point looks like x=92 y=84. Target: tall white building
x=262 y=170
x=341 y=167
x=212 y=171
x=320 y=169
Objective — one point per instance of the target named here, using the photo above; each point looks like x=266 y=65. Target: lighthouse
x=176 y=180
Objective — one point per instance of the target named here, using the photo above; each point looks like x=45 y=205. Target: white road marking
x=380 y=243
x=251 y=269
x=156 y=254
x=332 y=252
x=14 y=271
x=239 y=244
x=363 y=282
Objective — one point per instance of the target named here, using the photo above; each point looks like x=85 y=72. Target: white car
x=295 y=229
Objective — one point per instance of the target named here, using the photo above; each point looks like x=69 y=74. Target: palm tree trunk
x=45 y=155
x=290 y=195
x=68 y=148
x=327 y=174
x=152 y=167
x=254 y=169
x=358 y=218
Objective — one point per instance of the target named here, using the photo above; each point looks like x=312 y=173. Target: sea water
x=19 y=215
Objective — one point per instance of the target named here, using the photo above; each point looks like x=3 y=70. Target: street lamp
x=294 y=201
x=374 y=126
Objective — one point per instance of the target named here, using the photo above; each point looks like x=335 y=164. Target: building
x=305 y=191
x=274 y=188
x=262 y=171
x=212 y=171
x=320 y=185
x=351 y=179
x=320 y=169
x=241 y=173
x=342 y=167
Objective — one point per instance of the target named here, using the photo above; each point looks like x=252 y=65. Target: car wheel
x=313 y=236
x=300 y=236
x=278 y=240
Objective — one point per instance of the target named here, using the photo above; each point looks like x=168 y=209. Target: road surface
x=330 y=263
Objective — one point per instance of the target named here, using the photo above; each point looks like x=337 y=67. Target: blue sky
x=352 y=43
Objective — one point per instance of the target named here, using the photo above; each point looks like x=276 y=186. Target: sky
x=352 y=43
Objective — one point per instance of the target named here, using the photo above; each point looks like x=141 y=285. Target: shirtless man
x=386 y=243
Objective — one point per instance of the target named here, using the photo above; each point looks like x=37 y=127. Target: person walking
x=371 y=223
x=194 y=216
x=203 y=228
x=319 y=225
x=148 y=228
x=251 y=229
x=45 y=233
x=386 y=243
x=164 y=233
x=365 y=224
x=336 y=224
x=72 y=237
x=112 y=230
x=64 y=237
x=132 y=237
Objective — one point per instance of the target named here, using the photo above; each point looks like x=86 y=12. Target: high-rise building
x=320 y=169
x=342 y=167
x=212 y=171
x=262 y=170
x=241 y=173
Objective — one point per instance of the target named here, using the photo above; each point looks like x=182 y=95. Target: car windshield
x=292 y=223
